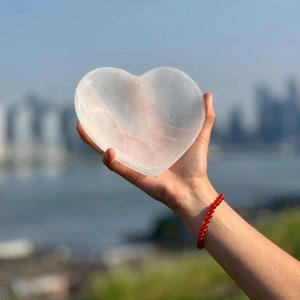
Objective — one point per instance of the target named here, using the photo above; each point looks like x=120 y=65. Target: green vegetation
x=190 y=274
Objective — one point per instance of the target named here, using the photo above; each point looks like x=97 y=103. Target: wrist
x=193 y=210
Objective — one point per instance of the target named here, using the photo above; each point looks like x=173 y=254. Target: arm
x=258 y=266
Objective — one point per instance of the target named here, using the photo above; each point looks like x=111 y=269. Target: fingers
x=109 y=159
x=87 y=139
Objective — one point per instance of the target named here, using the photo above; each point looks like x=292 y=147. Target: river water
x=87 y=206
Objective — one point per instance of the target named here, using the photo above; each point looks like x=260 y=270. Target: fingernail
x=104 y=158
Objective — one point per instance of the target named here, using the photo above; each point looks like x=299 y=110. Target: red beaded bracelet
x=208 y=217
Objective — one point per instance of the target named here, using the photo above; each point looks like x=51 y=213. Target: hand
x=183 y=183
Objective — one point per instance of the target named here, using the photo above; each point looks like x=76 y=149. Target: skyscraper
x=23 y=137
x=3 y=133
x=51 y=134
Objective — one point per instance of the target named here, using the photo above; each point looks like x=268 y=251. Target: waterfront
x=88 y=208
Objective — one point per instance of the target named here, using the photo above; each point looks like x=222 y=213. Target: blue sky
x=227 y=47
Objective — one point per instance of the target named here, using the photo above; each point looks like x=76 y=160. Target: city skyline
x=226 y=47
x=278 y=119
x=33 y=129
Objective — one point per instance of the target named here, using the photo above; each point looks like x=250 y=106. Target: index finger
x=87 y=139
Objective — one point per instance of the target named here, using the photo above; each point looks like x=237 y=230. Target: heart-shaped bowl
x=149 y=120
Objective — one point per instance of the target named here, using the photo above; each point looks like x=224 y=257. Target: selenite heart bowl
x=149 y=120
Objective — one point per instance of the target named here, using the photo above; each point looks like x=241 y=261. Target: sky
x=227 y=47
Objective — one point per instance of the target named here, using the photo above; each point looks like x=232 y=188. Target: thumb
x=203 y=138
x=210 y=115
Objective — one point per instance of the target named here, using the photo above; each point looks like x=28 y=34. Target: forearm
x=257 y=265
x=260 y=268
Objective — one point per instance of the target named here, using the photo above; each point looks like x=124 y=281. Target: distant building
x=237 y=134
x=3 y=133
x=23 y=137
x=270 y=116
x=279 y=116
x=72 y=139
x=291 y=112
x=51 y=135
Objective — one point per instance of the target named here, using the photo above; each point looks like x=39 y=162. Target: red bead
x=207 y=219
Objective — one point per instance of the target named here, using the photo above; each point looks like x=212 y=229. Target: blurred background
x=63 y=216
